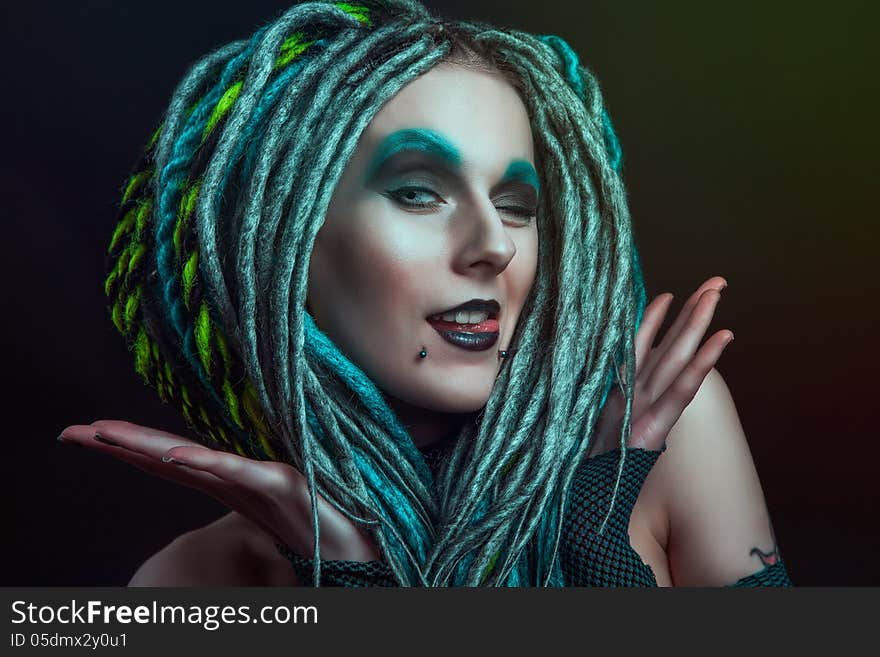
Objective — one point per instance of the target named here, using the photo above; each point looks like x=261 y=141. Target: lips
x=476 y=336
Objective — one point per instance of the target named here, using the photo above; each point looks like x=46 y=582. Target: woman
x=365 y=233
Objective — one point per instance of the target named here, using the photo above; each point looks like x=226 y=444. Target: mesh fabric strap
x=340 y=573
x=587 y=557
x=772 y=575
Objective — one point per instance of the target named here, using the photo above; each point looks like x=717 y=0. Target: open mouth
x=472 y=326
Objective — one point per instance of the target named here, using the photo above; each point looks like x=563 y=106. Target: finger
x=144 y=440
x=653 y=426
x=143 y=462
x=225 y=492
x=204 y=482
x=652 y=319
x=266 y=478
x=714 y=283
x=680 y=352
x=651 y=322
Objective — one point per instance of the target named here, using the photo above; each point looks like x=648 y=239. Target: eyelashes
x=418 y=198
x=407 y=196
x=522 y=213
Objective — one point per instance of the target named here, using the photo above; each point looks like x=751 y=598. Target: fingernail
x=729 y=340
x=64 y=441
x=105 y=440
x=171 y=459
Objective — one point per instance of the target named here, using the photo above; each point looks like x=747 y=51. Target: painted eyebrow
x=522 y=171
x=414 y=139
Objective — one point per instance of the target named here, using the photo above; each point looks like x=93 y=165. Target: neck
x=424 y=426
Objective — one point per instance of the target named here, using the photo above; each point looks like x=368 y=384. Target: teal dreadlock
x=208 y=269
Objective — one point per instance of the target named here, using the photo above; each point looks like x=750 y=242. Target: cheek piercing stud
x=502 y=354
x=423 y=353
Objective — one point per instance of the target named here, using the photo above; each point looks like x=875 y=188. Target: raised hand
x=272 y=495
x=668 y=375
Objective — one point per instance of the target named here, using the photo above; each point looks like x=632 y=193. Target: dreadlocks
x=208 y=272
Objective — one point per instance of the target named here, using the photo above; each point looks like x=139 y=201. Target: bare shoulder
x=231 y=551
x=705 y=498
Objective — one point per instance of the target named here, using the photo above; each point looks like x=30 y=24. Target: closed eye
x=528 y=213
x=519 y=201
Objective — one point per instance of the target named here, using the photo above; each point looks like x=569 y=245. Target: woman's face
x=435 y=209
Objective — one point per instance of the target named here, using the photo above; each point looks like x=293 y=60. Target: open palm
x=668 y=375
x=272 y=495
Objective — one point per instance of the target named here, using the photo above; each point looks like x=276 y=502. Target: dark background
x=750 y=142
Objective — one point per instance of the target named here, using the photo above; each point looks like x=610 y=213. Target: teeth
x=466 y=317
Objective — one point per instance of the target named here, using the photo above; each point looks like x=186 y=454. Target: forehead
x=478 y=113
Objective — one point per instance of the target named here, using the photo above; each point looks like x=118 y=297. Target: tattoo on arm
x=771 y=557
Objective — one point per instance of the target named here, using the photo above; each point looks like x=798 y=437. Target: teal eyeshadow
x=522 y=171
x=414 y=139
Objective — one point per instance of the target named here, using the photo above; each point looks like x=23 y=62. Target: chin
x=447 y=399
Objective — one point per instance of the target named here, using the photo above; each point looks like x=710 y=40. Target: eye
x=523 y=213
x=518 y=201
x=415 y=197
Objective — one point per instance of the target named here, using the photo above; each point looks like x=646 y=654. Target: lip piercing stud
x=423 y=353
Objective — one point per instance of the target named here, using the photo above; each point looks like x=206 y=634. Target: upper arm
x=719 y=528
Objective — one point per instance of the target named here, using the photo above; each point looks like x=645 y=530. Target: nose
x=483 y=240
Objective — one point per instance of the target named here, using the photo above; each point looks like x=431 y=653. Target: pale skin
x=701 y=514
